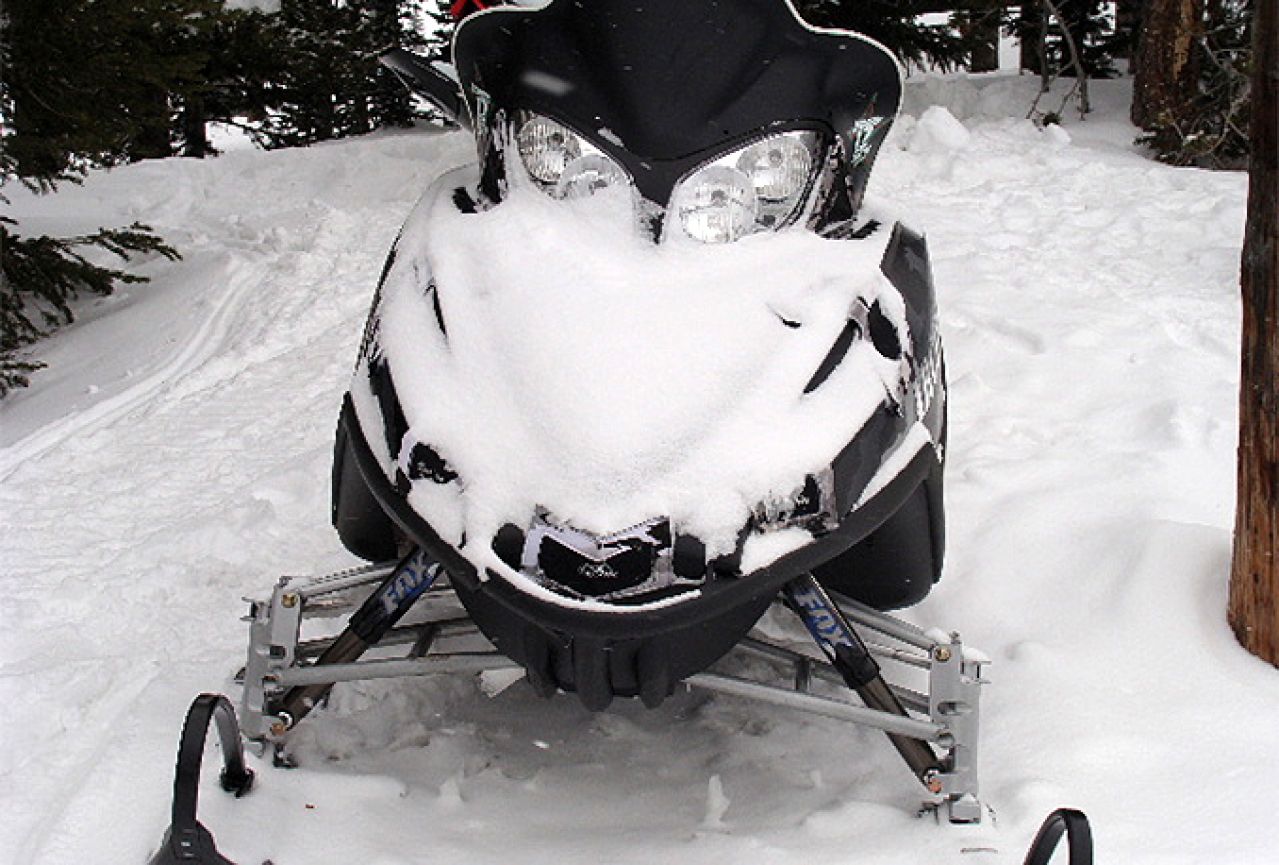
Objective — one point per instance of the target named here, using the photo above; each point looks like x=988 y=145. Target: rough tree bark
x=1254 y=576
x=1165 y=64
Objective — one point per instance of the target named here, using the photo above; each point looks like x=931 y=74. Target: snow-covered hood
x=558 y=361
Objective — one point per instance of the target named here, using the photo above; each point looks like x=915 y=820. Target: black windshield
x=662 y=83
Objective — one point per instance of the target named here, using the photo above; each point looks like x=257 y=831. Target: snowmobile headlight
x=547 y=147
x=760 y=187
x=717 y=204
x=561 y=162
x=778 y=167
x=588 y=175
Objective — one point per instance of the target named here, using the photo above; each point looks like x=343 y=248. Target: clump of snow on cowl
x=609 y=380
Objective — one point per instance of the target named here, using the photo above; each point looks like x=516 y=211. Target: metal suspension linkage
x=284 y=678
x=950 y=709
x=850 y=657
x=935 y=732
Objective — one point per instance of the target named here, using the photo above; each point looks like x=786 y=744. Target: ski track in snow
x=209 y=337
x=1089 y=306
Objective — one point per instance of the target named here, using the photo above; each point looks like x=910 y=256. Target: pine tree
x=1253 y=610
x=93 y=82
x=1202 y=120
x=331 y=85
x=86 y=83
x=439 y=41
x=1038 y=26
x=980 y=26
x=1165 y=63
x=1091 y=25
x=41 y=276
x=896 y=25
x=243 y=61
x=388 y=26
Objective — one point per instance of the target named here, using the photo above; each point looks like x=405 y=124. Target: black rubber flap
x=187 y=842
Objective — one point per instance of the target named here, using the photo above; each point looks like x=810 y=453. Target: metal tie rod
x=897 y=629
x=911 y=727
x=390 y=668
x=821 y=669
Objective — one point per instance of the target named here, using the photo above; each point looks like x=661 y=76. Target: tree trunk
x=152 y=140
x=1030 y=34
x=1127 y=25
x=1166 y=64
x=1254 y=575
x=194 y=125
x=982 y=27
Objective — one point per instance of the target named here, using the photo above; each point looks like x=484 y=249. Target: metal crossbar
x=444 y=641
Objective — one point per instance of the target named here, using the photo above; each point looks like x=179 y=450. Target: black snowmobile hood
x=663 y=84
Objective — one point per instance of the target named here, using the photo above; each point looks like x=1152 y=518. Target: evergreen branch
x=41 y=276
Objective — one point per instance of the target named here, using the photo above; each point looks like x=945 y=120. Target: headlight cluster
x=757 y=188
x=760 y=187
x=561 y=161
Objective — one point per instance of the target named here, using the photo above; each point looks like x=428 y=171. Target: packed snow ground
x=175 y=457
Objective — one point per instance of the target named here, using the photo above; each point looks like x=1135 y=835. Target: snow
x=614 y=380
x=175 y=457
x=938 y=131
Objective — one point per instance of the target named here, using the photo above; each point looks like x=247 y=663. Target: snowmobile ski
x=187 y=841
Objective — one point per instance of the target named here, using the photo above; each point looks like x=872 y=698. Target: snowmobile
x=646 y=376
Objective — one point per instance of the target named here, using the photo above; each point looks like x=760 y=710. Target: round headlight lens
x=778 y=167
x=717 y=204
x=589 y=174
x=547 y=148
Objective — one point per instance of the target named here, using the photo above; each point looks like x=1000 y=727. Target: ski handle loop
x=236 y=777
x=187 y=840
x=1074 y=824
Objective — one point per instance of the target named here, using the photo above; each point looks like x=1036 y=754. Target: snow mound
x=938 y=131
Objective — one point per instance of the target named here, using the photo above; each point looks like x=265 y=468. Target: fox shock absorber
x=848 y=654
x=379 y=613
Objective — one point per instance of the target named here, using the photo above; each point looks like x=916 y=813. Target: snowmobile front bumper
x=627 y=651
x=718 y=596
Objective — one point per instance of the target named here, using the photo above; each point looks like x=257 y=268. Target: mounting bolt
x=290 y=599
x=941 y=654
x=932 y=780
x=281 y=725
